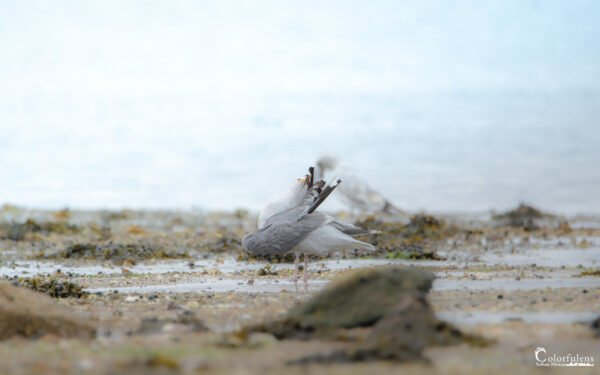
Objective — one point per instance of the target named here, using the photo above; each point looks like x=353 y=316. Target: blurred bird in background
x=355 y=192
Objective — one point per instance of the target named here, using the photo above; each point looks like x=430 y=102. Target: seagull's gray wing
x=283 y=232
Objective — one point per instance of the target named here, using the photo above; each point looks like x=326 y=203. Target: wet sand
x=523 y=289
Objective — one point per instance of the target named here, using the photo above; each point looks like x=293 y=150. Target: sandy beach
x=170 y=291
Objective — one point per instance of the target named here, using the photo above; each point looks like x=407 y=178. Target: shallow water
x=32 y=268
x=277 y=285
x=223 y=285
x=512 y=284
x=545 y=257
x=495 y=317
x=553 y=258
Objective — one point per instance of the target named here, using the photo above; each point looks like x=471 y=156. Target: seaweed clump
x=267 y=270
x=19 y=231
x=118 y=253
x=52 y=287
x=524 y=216
x=415 y=240
x=270 y=258
x=590 y=272
x=224 y=243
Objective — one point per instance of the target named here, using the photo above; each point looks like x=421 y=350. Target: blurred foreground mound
x=30 y=314
x=391 y=301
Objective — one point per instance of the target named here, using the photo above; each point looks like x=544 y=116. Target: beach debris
x=30 y=314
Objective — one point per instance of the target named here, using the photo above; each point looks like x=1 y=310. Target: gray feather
x=352 y=230
x=283 y=232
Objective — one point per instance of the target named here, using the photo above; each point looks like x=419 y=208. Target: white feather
x=327 y=239
x=281 y=202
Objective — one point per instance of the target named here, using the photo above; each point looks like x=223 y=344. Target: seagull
x=297 y=228
x=356 y=192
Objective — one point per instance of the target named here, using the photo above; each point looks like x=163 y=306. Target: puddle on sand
x=495 y=317
x=545 y=258
x=32 y=268
x=275 y=286
x=220 y=286
x=512 y=284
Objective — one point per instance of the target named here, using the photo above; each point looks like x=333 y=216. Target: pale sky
x=448 y=105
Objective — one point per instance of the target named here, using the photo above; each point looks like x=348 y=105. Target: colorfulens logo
x=542 y=358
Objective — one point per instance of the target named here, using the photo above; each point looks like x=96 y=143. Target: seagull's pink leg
x=296 y=261
x=305 y=267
